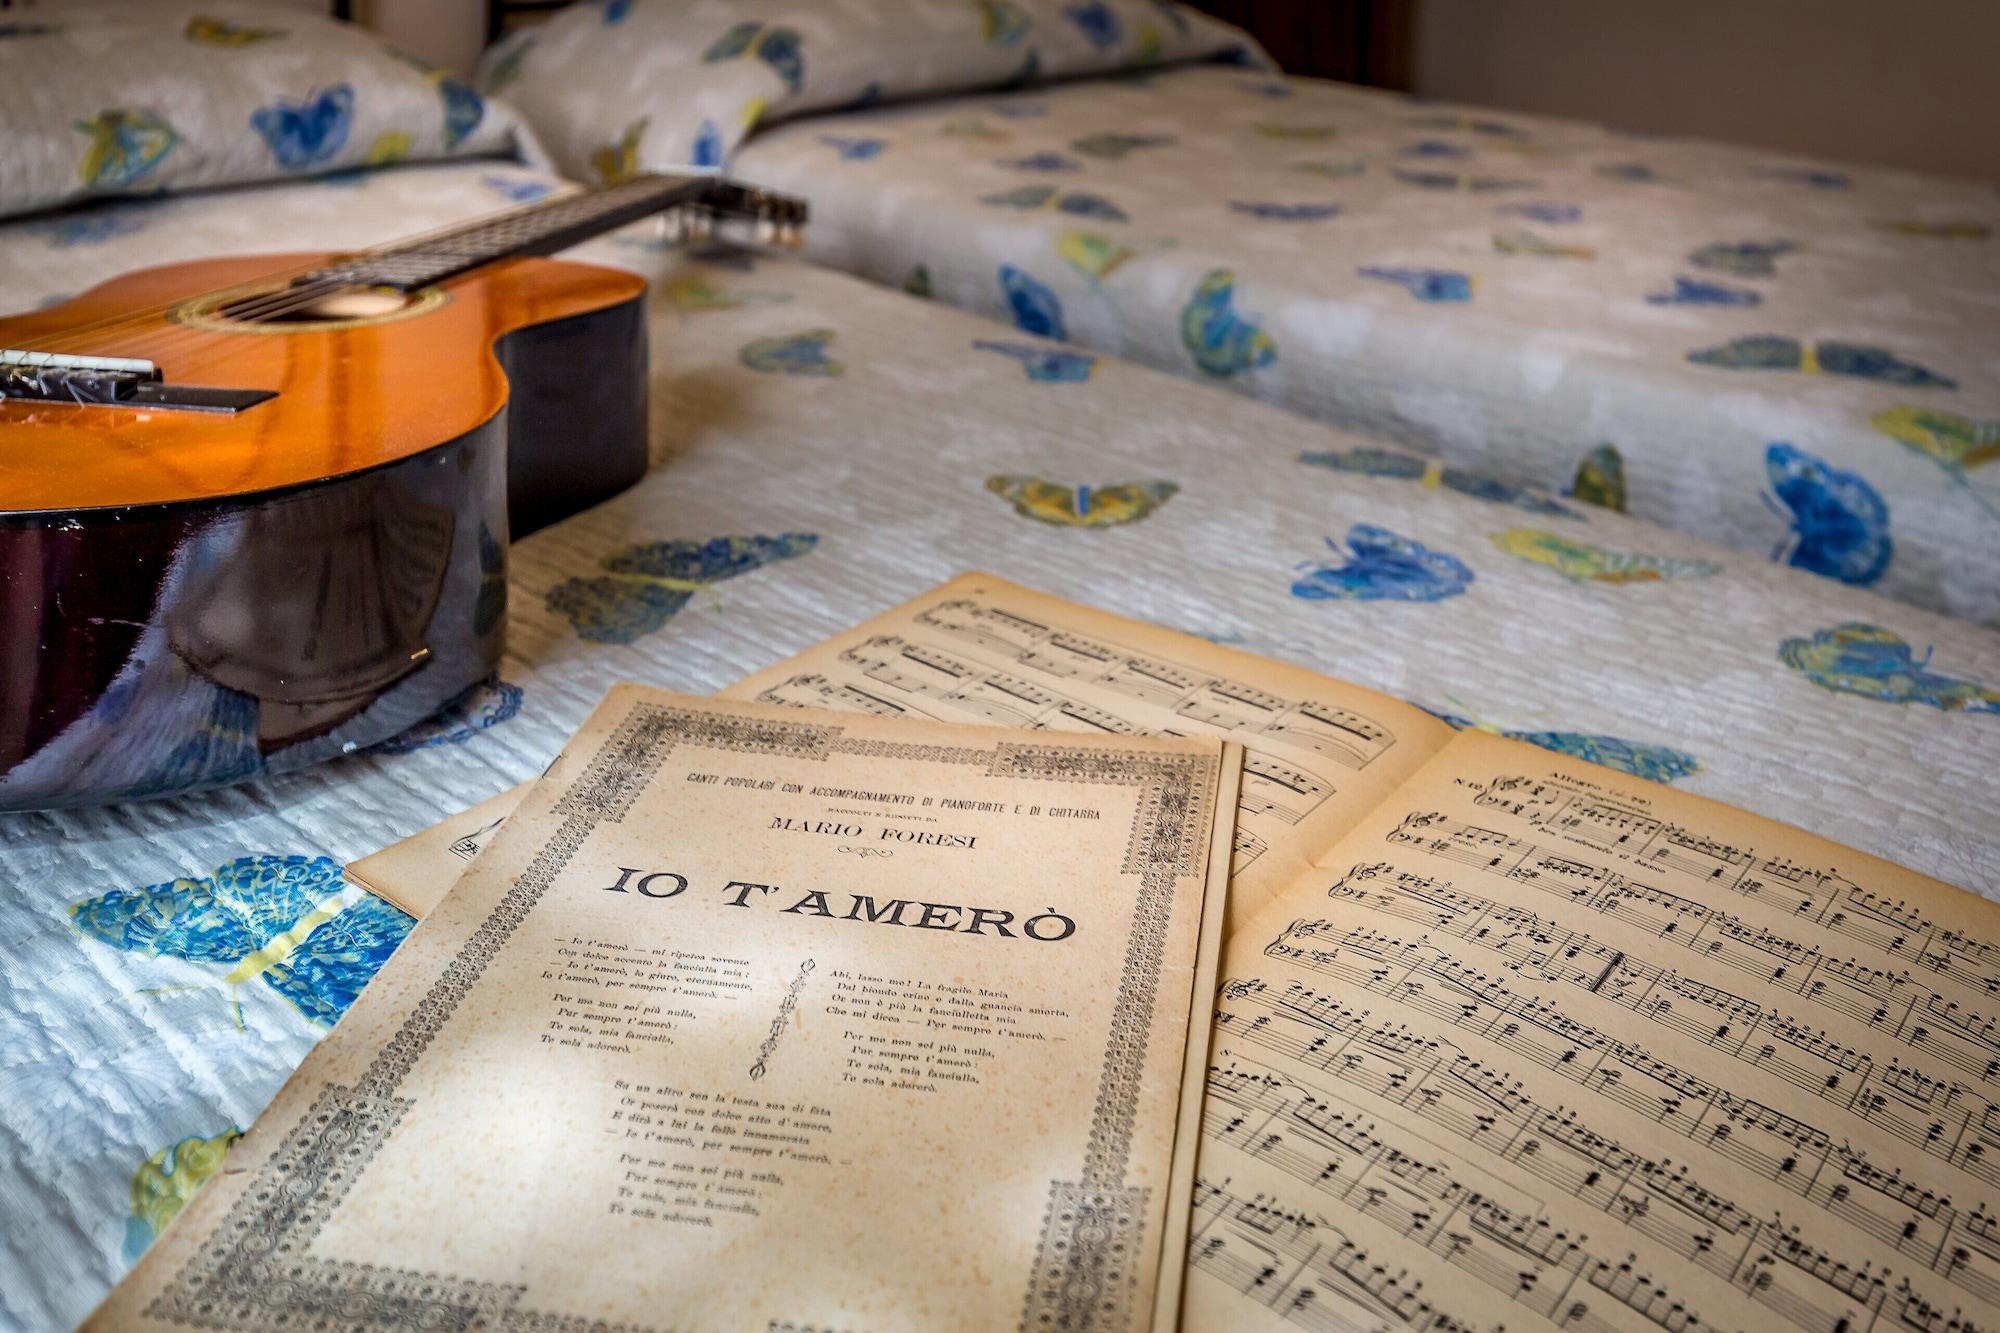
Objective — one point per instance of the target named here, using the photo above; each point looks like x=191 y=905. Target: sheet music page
x=1319 y=753
x=757 y=1019
x=417 y=872
x=1544 y=1046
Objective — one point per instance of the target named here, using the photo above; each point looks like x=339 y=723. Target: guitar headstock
x=771 y=218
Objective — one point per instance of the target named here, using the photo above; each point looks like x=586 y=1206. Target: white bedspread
x=826 y=448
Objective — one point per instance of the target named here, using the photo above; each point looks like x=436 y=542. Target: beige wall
x=1908 y=83
x=448 y=33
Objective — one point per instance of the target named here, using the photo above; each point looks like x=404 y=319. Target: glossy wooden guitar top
x=349 y=398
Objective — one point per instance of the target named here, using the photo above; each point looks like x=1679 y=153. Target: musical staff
x=1318 y=754
x=1821 y=898
x=1892 y=1003
x=1561 y=1043
x=1190 y=696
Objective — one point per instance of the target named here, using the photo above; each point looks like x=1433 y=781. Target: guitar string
x=146 y=315
x=288 y=300
x=277 y=304
x=575 y=201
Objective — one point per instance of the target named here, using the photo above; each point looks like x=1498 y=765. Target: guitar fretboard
x=555 y=224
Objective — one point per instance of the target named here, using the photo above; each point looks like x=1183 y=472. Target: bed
x=824 y=448
x=1797 y=359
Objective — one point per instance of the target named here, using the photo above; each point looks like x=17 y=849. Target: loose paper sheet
x=1319 y=753
x=1542 y=1045
x=751 y=1019
x=416 y=873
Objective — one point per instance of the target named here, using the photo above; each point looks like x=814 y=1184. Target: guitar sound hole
x=359 y=303
x=282 y=310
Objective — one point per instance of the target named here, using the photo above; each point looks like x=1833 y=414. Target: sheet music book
x=752 y=1018
x=1506 y=1040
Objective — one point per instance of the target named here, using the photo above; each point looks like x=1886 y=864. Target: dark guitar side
x=317 y=573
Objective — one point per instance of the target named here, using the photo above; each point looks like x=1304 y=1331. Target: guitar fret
x=553 y=224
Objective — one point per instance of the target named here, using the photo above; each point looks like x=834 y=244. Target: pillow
x=617 y=86
x=151 y=96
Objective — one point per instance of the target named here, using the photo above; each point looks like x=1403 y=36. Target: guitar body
x=189 y=598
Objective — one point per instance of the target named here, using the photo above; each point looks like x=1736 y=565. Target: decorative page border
x=253 y=1271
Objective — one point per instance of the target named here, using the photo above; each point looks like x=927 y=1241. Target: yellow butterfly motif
x=616 y=163
x=221 y=32
x=1081 y=506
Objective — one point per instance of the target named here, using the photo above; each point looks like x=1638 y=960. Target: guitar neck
x=556 y=224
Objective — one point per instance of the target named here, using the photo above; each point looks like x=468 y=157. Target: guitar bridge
x=111 y=381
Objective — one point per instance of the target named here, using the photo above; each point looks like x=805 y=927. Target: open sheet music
x=1506 y=1040
x=1541 y=1045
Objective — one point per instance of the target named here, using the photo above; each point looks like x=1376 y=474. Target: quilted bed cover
x=1797 y=359
x=825 y=448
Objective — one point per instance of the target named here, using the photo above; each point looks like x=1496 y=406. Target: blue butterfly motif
x=1696 y=291
x=615 y=11
x=1555 y=215
x=1371 y=462
x=479 y=708
x=1746 y=259
x=1637 y=173
x=863 y=100
x=854 y=150
x=798 y=354
x=1098 y=23
x=302 y=133
x=1875 y=663
x=1036 y=309
x=288 y=921
x=1042 y=162
x=1091 y=206
x=1379 y=566
x=516 y=191
x=1433 y=148
x=1840 y=523
x=1223 y=342
x=1819 y=180
x=1426 y=284
x=1044 y=365
x=1655 y=763
x=91 y=228
x=1285 y=212
x=780 y=48
x=1452 y=180
x=646 y=586
x=1046 y=196
x=708 y=150
x=463 y=110
x=1028 y=75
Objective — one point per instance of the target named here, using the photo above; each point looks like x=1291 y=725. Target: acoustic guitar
x=254 y=512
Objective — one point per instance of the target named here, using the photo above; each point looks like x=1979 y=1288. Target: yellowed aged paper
x=417 y=872
x=751 y=1019
x=1545 y=1046
x=1319 y=753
